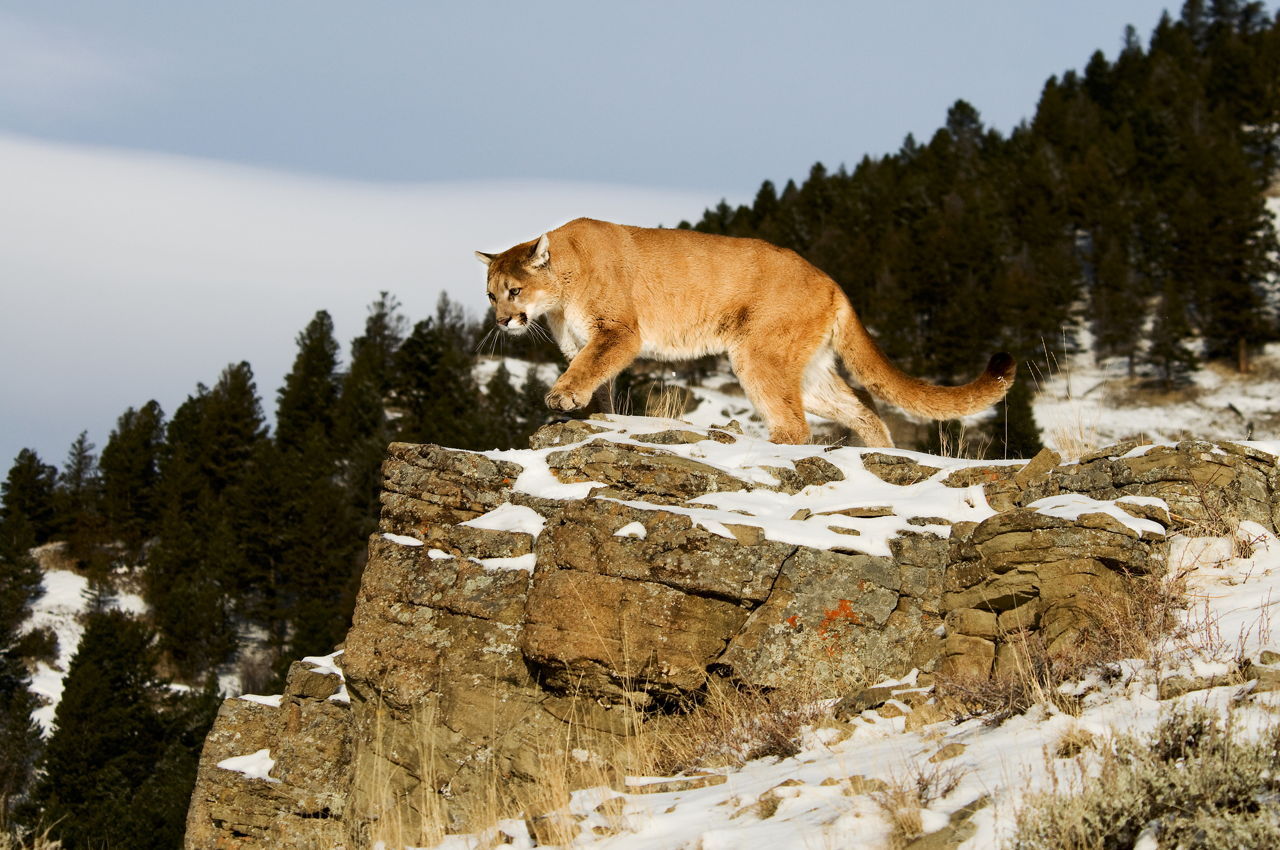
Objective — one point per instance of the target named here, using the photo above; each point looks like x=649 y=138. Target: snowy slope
x=61 y=606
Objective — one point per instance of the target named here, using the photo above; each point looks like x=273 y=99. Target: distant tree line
x=1130 y=205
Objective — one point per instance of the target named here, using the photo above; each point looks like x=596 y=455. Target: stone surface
x=466 y=674
x=303 y=804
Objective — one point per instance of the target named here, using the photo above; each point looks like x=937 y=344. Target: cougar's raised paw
x=561 y=400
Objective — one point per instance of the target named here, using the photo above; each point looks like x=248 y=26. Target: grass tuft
x=1196 y=783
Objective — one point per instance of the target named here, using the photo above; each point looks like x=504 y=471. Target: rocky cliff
x=528 y=608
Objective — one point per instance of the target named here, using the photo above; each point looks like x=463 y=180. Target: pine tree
x=107 y=735
x=130 y=475
x=308 y=399
x=19 y=587
x=29 y=490
x=78 y=504
x=116 y=726
x=213 y=535
x=502 y=410
x=158 y=809
x=1168 y=351
x=435 y=388
x=362 y=428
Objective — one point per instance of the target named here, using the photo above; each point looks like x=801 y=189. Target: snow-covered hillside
x=61 y=606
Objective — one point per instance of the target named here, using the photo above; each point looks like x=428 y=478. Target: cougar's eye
x=512 y=293
x=492 y=299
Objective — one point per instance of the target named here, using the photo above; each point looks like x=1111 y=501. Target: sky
x=183 y=185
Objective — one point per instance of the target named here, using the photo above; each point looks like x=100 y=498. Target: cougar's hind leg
x=827 y=395
x=773 y=384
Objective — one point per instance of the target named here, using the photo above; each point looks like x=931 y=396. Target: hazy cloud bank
x=125 y=277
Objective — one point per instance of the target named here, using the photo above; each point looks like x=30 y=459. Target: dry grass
x=13 y=839
x=727 y=727
x=1195 y=782
x=404 y=809
x=39 y=841
x=956 y=440
x=1121 y=625
x=1077 y=433
x=909 y=794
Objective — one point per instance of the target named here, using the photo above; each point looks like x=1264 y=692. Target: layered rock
x=531 y=608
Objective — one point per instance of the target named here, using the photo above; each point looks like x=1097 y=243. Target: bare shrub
x=1194 y=783
x=1035 y=680
x=729 y=725
x=909 y=794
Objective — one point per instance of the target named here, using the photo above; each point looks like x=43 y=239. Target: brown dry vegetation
x=1125 y=625
x=1196 y=783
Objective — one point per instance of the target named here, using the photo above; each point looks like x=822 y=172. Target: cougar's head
x=520 y=283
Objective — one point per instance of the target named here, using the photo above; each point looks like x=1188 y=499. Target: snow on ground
x=518 y=369
x=816 y=798
x=61 y=606
x=1084 y=403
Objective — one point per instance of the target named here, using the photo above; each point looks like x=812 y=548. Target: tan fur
x=611 y=293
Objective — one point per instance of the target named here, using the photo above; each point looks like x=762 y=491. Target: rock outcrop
x=531 y=608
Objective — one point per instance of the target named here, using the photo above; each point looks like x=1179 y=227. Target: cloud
x=126 y=277
x=48 y=74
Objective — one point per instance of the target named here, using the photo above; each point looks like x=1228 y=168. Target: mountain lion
x=611 y=293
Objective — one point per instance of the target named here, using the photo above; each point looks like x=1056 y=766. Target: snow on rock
x=256 y=765
x=632 y=529
x=327 y=665
x=1073 y=505
x=757 y=461
x=509 y=517
x=402 y=539
x=272 y=701
x=519 y=562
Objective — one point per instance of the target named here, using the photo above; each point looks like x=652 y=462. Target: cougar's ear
x=541 y=253
x=485 y=258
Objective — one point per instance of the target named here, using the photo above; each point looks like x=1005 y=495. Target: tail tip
x=1002 y=367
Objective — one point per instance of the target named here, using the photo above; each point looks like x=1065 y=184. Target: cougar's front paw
x=561 y=399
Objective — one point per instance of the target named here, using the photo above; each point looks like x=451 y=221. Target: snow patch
x=509 y=517
x=60 y=607
x=402 y=539
x=525 y=563
x=1072 y=506
x=257 y=765
x=632 y=529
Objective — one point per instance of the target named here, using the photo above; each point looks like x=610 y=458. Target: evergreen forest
x=1127 y=214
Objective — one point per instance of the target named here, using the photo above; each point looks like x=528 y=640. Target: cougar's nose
x=503 y=321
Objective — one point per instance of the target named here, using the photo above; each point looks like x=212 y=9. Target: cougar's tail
x=872 y=368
